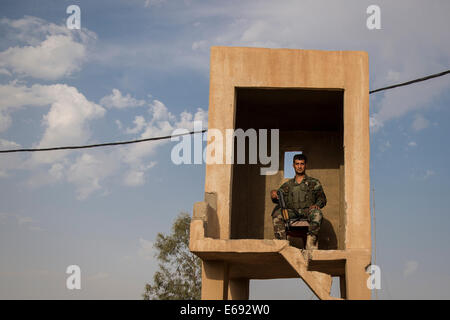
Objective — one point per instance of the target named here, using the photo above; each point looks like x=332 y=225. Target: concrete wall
x=324 y=97
x=346 y=71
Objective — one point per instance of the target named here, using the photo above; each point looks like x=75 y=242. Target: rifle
x=284 y=211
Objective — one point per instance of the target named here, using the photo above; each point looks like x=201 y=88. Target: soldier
x=304 y=198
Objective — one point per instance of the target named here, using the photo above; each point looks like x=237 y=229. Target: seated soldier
x=304 y=197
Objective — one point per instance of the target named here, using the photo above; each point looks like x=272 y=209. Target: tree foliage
x=179 y=274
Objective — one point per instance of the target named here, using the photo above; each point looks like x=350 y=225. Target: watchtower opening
x=310 y=120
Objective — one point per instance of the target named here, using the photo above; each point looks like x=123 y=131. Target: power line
x=412 y=81
x=168 y=137
x=102 y=144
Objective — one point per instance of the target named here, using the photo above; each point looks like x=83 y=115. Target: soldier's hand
x=273 y=194
x=314 y=207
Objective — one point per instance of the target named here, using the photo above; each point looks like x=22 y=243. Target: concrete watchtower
x=319 y=101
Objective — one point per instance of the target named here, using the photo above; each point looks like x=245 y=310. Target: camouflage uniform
x=299 y=197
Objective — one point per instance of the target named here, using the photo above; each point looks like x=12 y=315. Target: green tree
x=179 y=274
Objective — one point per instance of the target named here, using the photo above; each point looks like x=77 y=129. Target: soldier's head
x=299 y=163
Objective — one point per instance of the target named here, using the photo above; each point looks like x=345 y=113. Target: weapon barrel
x=284 y=210
x=281 y=199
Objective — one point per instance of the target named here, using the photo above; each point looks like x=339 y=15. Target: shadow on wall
x=327 y=236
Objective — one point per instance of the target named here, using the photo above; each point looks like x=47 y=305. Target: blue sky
x=139 y=69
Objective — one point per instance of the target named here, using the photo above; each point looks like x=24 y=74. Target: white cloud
x=187 y=119
x=385 y=146
x=399 y=102
x=51 y=51
x=89 y=171
x=15 y=96
x=420 y=123
x=67 y=121
x=200 y=45
x=20 y=220
x=135 y=177
x=9 y=161
x=5 y=144
x=117 y=100
x=139 y=122
x=5 y=121
x=55 y=57
x=35 y=228
x=150 y=3
x=32 y=30
x=410 y=268
x=57 y=171
x=146 y=250
x=374 y=123
x=135 y=159
x=422 y=174
x=393 y=76
x=24 y=220
x=160 y=112
x=161 y=123
x=428 y=174
x=119 y=124
x=5 y=72
x=412 y=144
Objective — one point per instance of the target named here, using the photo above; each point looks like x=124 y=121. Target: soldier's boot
x=311 y=242
x=280 y=235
